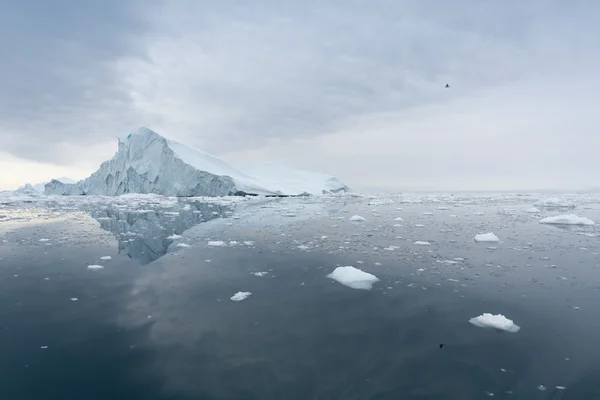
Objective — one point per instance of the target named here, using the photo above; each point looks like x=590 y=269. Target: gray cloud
x=232 y=76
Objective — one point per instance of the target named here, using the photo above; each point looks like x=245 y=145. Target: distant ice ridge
x=149 y=163
x=568 y=219
x=498 y=321
x=353 y=278
x=554 y=202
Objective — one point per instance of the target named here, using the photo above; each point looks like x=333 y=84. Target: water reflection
x=145 y=235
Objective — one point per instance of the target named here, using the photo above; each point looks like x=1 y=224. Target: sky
x=353 y=88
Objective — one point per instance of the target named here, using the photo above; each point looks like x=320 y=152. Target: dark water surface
x=152 y=327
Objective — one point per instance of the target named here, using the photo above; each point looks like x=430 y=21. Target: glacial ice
x=486 y=237
x=569 y=219
x=149 y=163
x=353 y=278
x=498 y=321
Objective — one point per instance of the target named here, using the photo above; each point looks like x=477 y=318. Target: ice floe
x=567 y=219
x=239 y=296
x=486 y=237
x=498 y=321
x=422 y=243
x=357 y=218
x=95 y=267
x=353 y=277
x=216 y=243
x=106 y=258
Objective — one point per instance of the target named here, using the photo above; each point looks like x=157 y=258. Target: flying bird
x=447 y=85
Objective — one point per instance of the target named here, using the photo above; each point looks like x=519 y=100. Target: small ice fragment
x=357 y=218
x=427 y=213
x=499 y=321
x=502 y=369
x=541 y=387
x=489 y=394
x=419 y=225
x=260 y=273
x=561 y=387
x=216 y=243
x=239 y=296
x=44 y=240
x=43 y=347
x=106 y=258
x=420 y=243
x=95 y=267
x=398 y=219
x=207 y=261
x=353 y=278
x=249 y=243
x=303 y=247
x=323 y=237
x=486 y=237
x=74 y=299
x=532 y=210
x=183 y=245
x=567 y=219
x=174 y=237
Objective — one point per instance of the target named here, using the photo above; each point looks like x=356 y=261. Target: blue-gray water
x=157 y=322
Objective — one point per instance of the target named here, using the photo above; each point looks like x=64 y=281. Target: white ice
x=567 y=219
x=239 y=296
x=554 y=202
x=533 y=210
x=486 y=237
x=498 y=321
x=357 y=218
x=421 y=243
x=106 y=258
x=174 y=237
x=260 y=273
x=216 y=243
x=353 y=278
x=183 y=245
x=95 y=267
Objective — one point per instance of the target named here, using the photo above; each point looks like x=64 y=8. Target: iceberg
x=498 y=321
x=569 y=219
x=486 y=237
x=147 y=162
x=353 y=278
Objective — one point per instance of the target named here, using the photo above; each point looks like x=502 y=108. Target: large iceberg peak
x=140 y=133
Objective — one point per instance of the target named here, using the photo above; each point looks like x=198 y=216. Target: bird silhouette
x=447 y=85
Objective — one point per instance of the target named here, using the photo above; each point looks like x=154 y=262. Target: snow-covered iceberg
x=486 y=237
x=146 y=162
x=569 y=219
x=40 y=187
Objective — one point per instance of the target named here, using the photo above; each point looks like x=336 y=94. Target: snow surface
x=498 y=321
x=146 y=162
x=353 y=278
x=568 y=219
x=486 y=237
x=239 y=296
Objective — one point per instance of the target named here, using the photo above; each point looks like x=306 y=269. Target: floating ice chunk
x=95 y=267
x=421 y=243
x=567 y=219
x=303 y=247
x=216 y=243
x=74 y=299
x=43 y=347
x=560 y=387
x=486 y=237
x=239 y=296
x=353 y=278
x=260 y=273
x=554 y=202
x=106 y=258
x=249 y=243
x=183 y=245
x=533 y=210
x=542 y=388
x=427 y=213
x=398 y=219
x=44 y=240
x=419 y=225
x=174 y=237
x=499 y=321
x=357 y=218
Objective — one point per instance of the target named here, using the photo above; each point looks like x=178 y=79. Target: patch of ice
x=95 y=267
x=357 y=218
x=353 y=278
x=174 y=237
x=183 y=245
x=419 y=225
x=106 y=258
x=554 y=202
x=239 y=296
x=498 y=321
x=567 y=219
x=421 y=243
x=533 y=210
x=259 y=273
x=44 y=240
x=216 y=243
x=486 y=237
x=303 y=247
x=74 y=299
x=398 y=219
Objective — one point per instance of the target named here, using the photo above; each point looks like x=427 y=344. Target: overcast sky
x=348 y=87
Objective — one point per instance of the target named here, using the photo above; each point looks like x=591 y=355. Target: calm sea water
x=157 y=322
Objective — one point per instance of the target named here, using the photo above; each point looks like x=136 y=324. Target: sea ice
x=353 y=278
x=567 y=219
x=216 y=243
x=533 y=210
x=174 y=237
x=95 y=267
x=486 y=237
x=498 y=321
x=554 y=202
x=239 y=296
x=106 y=258
x=259 y=273
x=183 y=245
x=357 y=218
x=420 y=243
